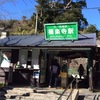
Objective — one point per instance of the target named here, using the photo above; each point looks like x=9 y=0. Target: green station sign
x=61 y=31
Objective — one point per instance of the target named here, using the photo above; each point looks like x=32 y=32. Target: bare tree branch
x=4 y=1
x=24 y=2
x=4 y=12
x=68 y=5
x=13 y=1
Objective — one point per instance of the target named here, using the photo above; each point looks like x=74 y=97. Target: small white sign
x=35 y=66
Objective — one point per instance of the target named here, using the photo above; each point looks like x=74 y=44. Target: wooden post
x=91 y=79
x=90 y=62
x=10 y=75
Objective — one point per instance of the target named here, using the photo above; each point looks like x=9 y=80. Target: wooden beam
x=91 y=71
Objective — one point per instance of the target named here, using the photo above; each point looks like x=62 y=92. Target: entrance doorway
x=73 y=60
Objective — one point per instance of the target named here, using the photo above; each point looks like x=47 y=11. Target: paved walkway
x=28 y=93
x=85 y=94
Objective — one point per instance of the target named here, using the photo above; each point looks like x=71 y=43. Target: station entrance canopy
x=38 y=41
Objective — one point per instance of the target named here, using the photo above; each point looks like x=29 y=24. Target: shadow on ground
x=3 y=91
x=81 y=97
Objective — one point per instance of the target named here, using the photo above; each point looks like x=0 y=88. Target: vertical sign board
x=61 y=31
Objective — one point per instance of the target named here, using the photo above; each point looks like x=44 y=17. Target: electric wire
x=5 y=13
x=32 y=10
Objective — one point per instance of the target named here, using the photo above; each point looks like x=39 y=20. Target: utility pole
x=36 y=22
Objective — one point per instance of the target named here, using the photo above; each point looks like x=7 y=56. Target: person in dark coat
x=81 y=70
x=54 y=73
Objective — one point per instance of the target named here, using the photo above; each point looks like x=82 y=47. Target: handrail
x=68 y=88
x=71 y=92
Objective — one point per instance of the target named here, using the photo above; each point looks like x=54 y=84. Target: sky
x=15 y=9
x=92 y=15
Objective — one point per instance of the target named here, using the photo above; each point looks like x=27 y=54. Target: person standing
x=64 y=67
x=54 y=73
x=81 y=70
x=64 y=74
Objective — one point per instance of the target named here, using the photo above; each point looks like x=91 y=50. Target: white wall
x=35 y=58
